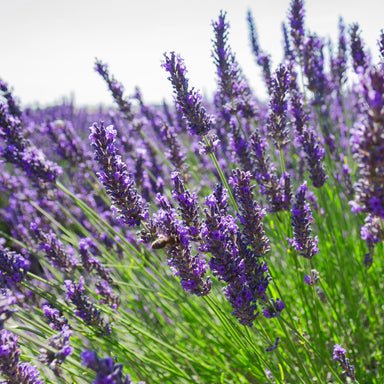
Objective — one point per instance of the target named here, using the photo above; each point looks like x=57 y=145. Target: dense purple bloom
x=277 y=120
x=56 y=319
x=116 y=89
x=314 y=152
x=301 y=222
x=296 y=21
x=313 y=279
x=276 y=190
x=372 y=233
x=313 y=60
x=220 y=239
x=127 y=203
x=240 y=146
x=10 y=365
x=107 y=370
x=13 y=267
x=288 y=52
x=189 y=268
x=18 y=150
x=273 y=308
x=60 y=348
x=188 y=206
x=54 y=250
x=84 y=308
x=90 y=262
x=233 y=88
x=339 y=63
x=360 y=58
x=368 y=144
x=175 y=153
x=188 y=101
x=251 y=214
x=66 y=142
x=339 y=356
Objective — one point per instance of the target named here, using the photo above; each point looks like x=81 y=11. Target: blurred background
x=48 y=47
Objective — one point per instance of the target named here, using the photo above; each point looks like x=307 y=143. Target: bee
x=163 y=241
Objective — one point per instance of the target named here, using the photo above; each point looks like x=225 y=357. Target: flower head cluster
x=372 y=233
x=368 y=145
x=360 y=58
x=301 y=222
x=107 y=370
x=189 y=268
x=276 y=190
x=278 y=106
x=54 y=250
x=296 y=20
x=251 y=214
x=339 y=63
x=188 y=101
x=84 y=308
x=339 y=356
x=313 y=279
x=313 y=59
x=17 y=149
x=233 y=88
x=13 y=267
x=10 y=365
x=116 y=89
x=127 y=203
x=188 y=206
x=59 y=343
x=314 y=152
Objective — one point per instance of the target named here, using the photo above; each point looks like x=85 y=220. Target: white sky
x=48 y=47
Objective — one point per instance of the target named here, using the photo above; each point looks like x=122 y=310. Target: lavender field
x=215 y=240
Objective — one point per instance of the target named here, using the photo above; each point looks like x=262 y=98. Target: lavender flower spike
x=368 y=144
x=188 y=101
x=314 y=152
x=301 y=222
x=13 y=267
x=360 y=58
x=127 y=203
x=296 y=20
x=10 y=365
x=107 y=370
x=339 y=355
x=277 y=120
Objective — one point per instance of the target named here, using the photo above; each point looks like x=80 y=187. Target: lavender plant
x=170 y=243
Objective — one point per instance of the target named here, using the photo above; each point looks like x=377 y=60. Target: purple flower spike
x=277 y=120
x=233 y=88
x=188 y=101
x=339 y=356
x=368 y=144
x=10 y=365
x=273 y=308
x=250 y=213
x=127 y=203
x=17 y=149
x=84 y=308
x=301 y=222
x=360 y=58
x=174 y=236
x=314 y=152
x=13 y=267
x=107 y=370
x=116 y=89
x=296 y=20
